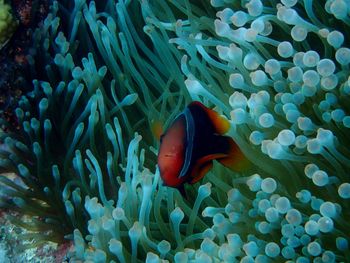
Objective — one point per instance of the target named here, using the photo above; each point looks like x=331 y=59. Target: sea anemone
x=278 y=70
x=79 y=115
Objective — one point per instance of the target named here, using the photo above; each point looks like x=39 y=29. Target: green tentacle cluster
x=84 y=111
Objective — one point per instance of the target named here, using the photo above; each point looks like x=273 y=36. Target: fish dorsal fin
x=221 y=124
x=190 y=130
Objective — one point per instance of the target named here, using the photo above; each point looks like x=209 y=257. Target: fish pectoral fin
x=234 y=159
x=201 y=171
x=203 y=166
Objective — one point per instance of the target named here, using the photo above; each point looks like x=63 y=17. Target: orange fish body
x=192 y=142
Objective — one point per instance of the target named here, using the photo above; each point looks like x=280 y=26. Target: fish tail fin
x=234 y=159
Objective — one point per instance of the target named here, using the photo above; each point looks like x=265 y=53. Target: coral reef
x=8 y=23
x=278 y=70
x=11 y=242
x=15 y=77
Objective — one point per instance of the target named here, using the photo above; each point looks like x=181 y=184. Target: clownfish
x=191 y=143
